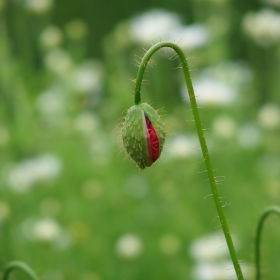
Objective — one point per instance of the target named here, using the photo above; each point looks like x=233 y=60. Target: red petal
x=153 y=144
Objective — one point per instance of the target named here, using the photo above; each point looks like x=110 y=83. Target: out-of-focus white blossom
x=269 y=116
x=263 y=27
x=156 y=25
x=4 y=211
x=59 y=61
x=209 y=247
x=249 y=136
x=51 y=103
x=87 y=77
x=25 y=174
x=87 y=123
x=183 y=146
x=211 y=92
x=219 y=85
x=214 y=271
x=4 y=135
x=39 y=6
x=170 y=244
x=192 y=36
x=76 y=29
x=153 y=25
x=224 y=127
x=51 y=37
x=45 y=229
x=212 y=259
x=129 y=246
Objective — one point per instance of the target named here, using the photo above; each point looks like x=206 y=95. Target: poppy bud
x=143 y=134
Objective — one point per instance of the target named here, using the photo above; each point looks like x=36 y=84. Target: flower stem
x=201 y=137
x=21 y=266
x=265 y=214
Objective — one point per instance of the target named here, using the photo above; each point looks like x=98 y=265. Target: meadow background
x=71 y=205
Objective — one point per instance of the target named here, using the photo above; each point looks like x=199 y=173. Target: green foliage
x=70 y=206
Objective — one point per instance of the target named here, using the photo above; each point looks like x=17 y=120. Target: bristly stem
x=265 y=214
x=21 y=266
x=201 y=137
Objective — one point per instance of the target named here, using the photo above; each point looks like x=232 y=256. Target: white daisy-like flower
x=269 y=116
x=263 y=27
x=24 y=175
x=39 y=6
x=44 y=229
x=59 y=61
x=153 y=26
x=51 y=37
x=183 y=146
x=87 y=77
x=190 y=37
x=129 y=246
x=224 y=127
x=209 y=247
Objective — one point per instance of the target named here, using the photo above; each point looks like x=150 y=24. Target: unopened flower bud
x=143 y=134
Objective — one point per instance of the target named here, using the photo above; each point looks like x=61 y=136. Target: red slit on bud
x=153 y=143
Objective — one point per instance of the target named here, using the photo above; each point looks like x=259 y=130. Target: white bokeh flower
x=51 y=103
x=213 y=92
x=87 y=77
x=219 y=85
x=153 y=26
x=190 y=37
x=263 y=27
x=44 y=229
x=59 y=61
x=129 y=246
x=209 y=247
x=87 y=123
x=183 y=146
x=213 y=271
x=25 y=174
x=269 y=116
x=51 y=37
x=224 y=127
x=39 y=6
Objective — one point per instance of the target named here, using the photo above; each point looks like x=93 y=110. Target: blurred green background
x=71 y=205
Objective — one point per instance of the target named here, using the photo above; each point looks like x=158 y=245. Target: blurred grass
x=97 y=196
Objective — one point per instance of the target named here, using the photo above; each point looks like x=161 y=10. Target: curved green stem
x=21 y=266
x=201 y=137
x=265 y=214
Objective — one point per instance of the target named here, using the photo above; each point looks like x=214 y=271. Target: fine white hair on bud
x=143 y=134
